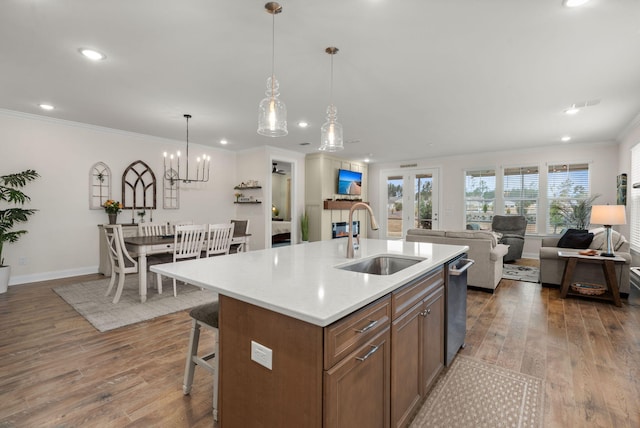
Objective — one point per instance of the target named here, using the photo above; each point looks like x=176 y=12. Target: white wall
x=603 y=159
x=62 y=238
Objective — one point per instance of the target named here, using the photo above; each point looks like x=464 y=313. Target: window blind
x=635 y=199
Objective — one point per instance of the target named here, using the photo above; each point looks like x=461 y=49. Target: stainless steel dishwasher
x=456 y=305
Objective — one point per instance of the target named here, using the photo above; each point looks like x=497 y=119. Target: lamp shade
x=608 y=214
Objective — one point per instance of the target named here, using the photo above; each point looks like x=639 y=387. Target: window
x=567 y=186
x=423 y=204
x=480 y=198
x=635 y=199
x=520 y=190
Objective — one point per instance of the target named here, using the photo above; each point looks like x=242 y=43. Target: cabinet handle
x=373 y=349
x=425 y=313
x=368 y=326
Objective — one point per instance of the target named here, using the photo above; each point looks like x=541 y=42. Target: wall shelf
x=248 y=202
x=247 y=187
x=341 y=205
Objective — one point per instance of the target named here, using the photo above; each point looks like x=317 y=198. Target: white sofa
x=484 y=249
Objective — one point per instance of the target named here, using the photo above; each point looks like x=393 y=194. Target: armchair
x=512 y=228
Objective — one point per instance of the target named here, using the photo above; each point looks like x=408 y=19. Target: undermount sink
x=382 y=264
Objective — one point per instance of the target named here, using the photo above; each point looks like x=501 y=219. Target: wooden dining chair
x=188 y=244
x=171 y=226
x=152 y=229
x=241 y=228
x=121 y=261
x=219 y=239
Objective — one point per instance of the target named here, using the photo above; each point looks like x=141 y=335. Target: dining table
x=143 y=246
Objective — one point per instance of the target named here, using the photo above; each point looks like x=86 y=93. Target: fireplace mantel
x=341 y=205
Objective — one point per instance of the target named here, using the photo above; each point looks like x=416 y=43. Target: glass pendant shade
x=331 y=132
x=272 y=113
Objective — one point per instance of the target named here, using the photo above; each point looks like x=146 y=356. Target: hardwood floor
x=56 y=370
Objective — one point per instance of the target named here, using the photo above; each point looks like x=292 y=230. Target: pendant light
x=202 y=165
x=331 y=131
x=272 y=113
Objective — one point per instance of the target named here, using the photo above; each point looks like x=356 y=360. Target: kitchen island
x=312 y=316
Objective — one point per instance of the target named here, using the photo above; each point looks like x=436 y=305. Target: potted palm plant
x=10 y=192
x=577 y=213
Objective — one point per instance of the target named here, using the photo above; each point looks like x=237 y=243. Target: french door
x=412 y=201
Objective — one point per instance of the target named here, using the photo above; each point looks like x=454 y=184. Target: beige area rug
x=88 y=299
x=475 y=394
x=521 y=273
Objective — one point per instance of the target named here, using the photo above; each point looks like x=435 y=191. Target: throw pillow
x=575 y=238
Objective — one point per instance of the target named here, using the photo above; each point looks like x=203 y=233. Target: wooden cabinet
x=417 y=334
x=356 y=390
x=357 y=365
x=432 y=339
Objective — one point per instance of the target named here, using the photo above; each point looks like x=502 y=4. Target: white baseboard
x=45 y=276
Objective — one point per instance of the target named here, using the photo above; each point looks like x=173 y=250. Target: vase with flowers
x=112 y=208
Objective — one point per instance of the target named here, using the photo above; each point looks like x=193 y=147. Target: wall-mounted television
x=349 y=182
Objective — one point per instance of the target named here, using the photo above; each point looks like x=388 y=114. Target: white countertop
x=301 y=281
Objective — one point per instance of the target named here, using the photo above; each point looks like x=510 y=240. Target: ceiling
x=413 y=78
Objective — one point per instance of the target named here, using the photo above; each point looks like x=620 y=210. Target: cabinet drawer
x=346 y=335
x=410 y=294
x=163 y=248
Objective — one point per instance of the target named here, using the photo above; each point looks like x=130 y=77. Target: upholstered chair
x=512 y=228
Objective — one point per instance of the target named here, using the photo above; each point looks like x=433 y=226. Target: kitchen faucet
x=374 y=225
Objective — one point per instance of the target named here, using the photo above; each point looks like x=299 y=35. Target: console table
x=608 y=268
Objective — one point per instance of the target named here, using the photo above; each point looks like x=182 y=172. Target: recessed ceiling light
x=565 y=138
x=367 y=160
x=303 y=124
x=224 y=142
x=574 y=3
x=92 y=54
x=572 y=111
x=46 y=106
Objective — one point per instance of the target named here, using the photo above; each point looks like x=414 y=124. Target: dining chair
x=171 y=226
x=152 y=229
x=188 y=243
x=240 y=231
x=203 y=316
x=219 y=239
x=121 y=261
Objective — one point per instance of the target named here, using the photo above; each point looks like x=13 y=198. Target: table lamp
x=608 y=215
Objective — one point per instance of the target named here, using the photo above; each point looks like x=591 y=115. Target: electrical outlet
x=261 y=355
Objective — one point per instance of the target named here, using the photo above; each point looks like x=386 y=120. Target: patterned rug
x=88 y=299
x=521 y=273
x=474 y=394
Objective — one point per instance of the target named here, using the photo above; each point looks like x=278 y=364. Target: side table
x=608 y=268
